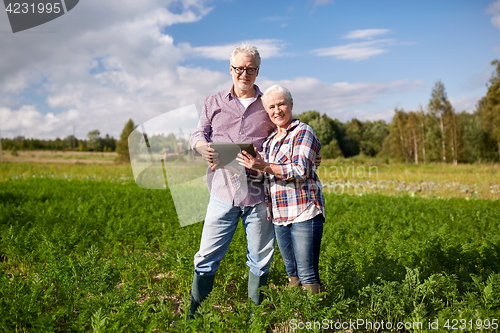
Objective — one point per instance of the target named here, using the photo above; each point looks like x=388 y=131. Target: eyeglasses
x=240 y=70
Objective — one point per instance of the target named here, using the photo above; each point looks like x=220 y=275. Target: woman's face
x=279 y=110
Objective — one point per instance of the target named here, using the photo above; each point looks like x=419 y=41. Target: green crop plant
x=97 y=254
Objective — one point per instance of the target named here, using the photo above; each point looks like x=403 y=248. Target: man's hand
x=209 y=154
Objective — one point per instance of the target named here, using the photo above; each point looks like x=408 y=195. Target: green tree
x=490 y=106
x=441 y=123
x=400 y=143
x=325 y=129
x=308 y=116
x=94 y=142
x=474 y=136
x=108 y=143
x=71 y=141
x=421 y=121
x=374 y=134
x=122 y=145
x=413 y=134
x=352 y=133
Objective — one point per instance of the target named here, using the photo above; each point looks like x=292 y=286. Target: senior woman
x=294 y=195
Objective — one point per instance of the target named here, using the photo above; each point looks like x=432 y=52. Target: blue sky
x=105 y=62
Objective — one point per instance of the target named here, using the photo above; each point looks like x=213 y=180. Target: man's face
x=243 y=81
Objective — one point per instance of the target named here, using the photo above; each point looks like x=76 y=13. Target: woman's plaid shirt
x=287 y=197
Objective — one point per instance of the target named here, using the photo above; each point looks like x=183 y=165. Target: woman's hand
x=248 y=161
x=317 y=162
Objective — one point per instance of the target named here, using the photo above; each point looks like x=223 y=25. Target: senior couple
x=283 y=196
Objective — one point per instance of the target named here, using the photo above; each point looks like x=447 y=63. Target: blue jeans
x=218 y=231
x=300 y=245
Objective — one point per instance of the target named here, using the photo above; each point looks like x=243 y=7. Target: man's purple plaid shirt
x=224 y=119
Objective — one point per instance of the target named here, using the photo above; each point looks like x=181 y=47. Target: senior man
x=234 y=115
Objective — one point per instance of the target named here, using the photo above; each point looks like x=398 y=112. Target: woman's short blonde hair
x=277 y=89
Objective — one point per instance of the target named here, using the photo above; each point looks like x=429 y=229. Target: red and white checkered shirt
x=295 y=151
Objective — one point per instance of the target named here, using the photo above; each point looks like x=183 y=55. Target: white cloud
x=317 y=3
x=108 y=107
x=464 y=103
x=382 y=115
x=322 y=2
x=100 y=70
x=365 y=34
x=494 y=9
x=27 y=121
x=355 y=51
x=268 y=48
x=346 y=115
x=337 y=99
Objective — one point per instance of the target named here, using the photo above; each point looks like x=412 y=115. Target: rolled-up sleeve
x=203 y=131
x=305 y=148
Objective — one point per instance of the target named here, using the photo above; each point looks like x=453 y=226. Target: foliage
x=445 y=131
x=326 y=129
x=346 y=140
x=86 y=255
x=489 y=106
x=14 y=152
x=440 y=135
x=22 y=143
x=122 y=146
x=93 y=142
x=373 y=137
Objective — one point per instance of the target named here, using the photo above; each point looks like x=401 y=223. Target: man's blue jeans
x=220 y=224
x=300 y=245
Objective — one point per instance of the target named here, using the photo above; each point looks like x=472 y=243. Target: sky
x=105 y=62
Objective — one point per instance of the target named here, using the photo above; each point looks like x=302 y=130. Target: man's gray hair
x=278 y=89
x=246 y=48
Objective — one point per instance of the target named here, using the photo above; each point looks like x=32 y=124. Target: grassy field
x=341 y=176
x=358 y=176
x=49 y=156
x=84 y=249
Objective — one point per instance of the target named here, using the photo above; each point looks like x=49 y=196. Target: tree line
x=435 y=134
x=94 y=142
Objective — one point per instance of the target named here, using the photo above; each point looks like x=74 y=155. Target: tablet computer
x=228 y=151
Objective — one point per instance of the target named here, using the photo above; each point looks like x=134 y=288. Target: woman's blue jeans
x=300 y=245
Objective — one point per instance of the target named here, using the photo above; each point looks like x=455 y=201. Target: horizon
x=104 y=63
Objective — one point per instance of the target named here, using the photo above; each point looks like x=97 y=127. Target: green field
x=83 y=249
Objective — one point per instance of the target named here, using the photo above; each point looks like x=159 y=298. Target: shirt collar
x=230 y=93
x=291 y=126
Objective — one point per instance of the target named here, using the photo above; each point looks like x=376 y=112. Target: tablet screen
x=229 y=151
